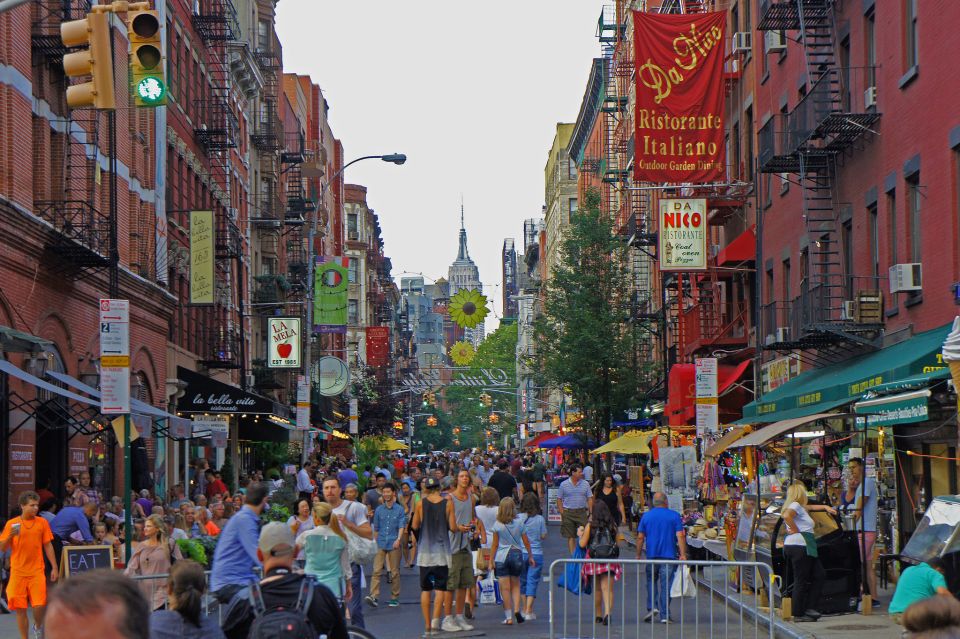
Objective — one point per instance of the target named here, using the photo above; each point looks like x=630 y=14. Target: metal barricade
x=719 y=609
x=149 y=583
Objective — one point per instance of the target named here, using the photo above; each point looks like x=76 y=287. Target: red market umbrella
x=535 y=442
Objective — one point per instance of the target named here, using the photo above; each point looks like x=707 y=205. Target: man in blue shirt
x=236 y=558
x=662 y=531
x=388 y=520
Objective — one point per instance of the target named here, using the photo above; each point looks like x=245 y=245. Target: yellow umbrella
x=631 y=443
x=389 y=443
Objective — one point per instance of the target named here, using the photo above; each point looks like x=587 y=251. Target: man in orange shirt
x=31 y=539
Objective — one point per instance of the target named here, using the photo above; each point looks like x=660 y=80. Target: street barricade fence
x=720 y=608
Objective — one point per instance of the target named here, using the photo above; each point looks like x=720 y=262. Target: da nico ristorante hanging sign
x=330 y=295
x=679 y=113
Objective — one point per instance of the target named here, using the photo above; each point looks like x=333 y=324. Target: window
x=874 y=239
x=571 y=208
x=352 y=232
x=892 y=216
x=735 y=172
x=352 y=314
x=571 y=169
x=787 y=296
x=913 y=216
x=769 y=286
x=870 y=41
x=748 y=140
x=748 y=25
x=784 y=179
x=910 y=41
x=846 y=236
x=352 y=270
x=844 y=59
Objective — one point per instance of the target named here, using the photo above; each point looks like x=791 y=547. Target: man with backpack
x=287 y=604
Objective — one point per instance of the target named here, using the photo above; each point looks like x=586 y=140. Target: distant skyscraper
x=464 y=274
x=510 y=280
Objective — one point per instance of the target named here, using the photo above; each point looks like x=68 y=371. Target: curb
x=781 y=629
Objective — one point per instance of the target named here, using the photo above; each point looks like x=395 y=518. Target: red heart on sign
x=283 y=350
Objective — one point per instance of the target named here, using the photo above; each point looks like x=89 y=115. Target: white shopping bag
x=488 y=590
x=682 y=584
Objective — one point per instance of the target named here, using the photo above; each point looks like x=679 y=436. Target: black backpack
x=604 y=545
x=282 y=622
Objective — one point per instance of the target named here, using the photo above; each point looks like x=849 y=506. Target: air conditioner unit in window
x=742 y=42
x=775 y=41
x=906 y=277
x=870 y=97
x=783 y=334
x=251 y=380
x=849 y=311
x=353 y=235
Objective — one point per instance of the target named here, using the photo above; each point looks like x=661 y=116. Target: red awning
x=742 y=249
x=535 y=442
x=681 y=389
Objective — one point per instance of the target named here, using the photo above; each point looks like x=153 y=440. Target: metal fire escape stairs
x=216 y=131
x=811 y=137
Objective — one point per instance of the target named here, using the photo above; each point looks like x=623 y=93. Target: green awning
x=919 y=381
x=14 y=341
x=831 y=386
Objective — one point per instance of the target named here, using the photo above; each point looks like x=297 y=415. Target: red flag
x=679 y=107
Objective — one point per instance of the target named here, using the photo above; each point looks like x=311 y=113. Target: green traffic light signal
x=151 y=90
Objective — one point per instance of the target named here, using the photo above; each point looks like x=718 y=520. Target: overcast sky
x=470 y=91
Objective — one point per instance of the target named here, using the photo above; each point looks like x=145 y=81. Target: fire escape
x=809 y=142
x=216 y=131
x=80 y=241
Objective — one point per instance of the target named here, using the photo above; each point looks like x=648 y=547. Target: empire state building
x=464 y=274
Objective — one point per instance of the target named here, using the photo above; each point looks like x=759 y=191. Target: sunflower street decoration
x=468 y=307
x=462 y=353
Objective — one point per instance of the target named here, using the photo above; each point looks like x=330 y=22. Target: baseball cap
x=431 y=482
x=276 y=534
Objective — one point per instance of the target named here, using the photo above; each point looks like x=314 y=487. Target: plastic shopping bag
x=488 y=590
x=682 y=584
x=572 y=577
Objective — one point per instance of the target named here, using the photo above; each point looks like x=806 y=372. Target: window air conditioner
x=742 y=41
x=870 y=97
x=849 y=311
x=775 y=41
x=251 y=380
x=353 y=235
x=783 y=334
x=906 y=277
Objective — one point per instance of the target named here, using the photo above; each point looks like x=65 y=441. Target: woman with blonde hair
x=325 y=551
x=800 y=549
x=487 y=513
x=153 y=556
x=509 y=541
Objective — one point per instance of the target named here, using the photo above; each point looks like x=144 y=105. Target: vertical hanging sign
x=354 y=418
x=683 y=235
x=679 y=111
x=303 y=403
x=114 y=357
x=284 y=342
x=201 y=257
x=706 y=389
x=330 y=295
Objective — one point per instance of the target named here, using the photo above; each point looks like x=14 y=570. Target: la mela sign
x=284 y=347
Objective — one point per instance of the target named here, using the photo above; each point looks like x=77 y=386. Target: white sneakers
x=454 y=624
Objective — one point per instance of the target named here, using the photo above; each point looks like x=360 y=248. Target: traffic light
x=97 y=62
x=494 y=418
x=431 y=421
x=398 y=425
x=146 y=58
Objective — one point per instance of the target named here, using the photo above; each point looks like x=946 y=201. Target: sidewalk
x=876 y=625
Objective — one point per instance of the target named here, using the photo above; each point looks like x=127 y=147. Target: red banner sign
x=378 y=345
x=679 y=109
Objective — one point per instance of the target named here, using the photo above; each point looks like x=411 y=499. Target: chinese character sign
x=679 y=112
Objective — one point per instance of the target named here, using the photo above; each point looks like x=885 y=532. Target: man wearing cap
x=575 y=502
x=281 y=587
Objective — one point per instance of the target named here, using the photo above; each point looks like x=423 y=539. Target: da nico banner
x=679 y=113
x=330 y=295
x=201 y=257
x=683 y=235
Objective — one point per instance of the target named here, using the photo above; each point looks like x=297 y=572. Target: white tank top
x=803 y=522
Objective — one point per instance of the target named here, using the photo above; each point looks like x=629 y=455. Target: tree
x=585 y=340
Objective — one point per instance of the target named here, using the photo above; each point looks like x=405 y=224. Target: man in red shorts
x=31 y=539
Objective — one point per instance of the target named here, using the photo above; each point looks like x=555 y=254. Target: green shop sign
x=906 y=408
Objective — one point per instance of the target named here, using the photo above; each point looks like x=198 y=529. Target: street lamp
x=393 y=158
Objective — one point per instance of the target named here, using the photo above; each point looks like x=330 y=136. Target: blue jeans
x=658 y=587
x=530 y=577
x=356 y=601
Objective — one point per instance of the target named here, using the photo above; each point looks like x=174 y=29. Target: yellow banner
x=201 y=257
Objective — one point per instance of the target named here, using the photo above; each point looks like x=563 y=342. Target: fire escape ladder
x=45 y=21
x=825 y=266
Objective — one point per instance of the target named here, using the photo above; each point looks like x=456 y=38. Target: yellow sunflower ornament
x=468 y=307
x=462 y=353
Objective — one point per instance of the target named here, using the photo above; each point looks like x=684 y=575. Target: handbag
x=682 y=584
x=483 y=559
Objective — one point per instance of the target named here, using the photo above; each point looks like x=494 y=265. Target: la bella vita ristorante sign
x=679 y=107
